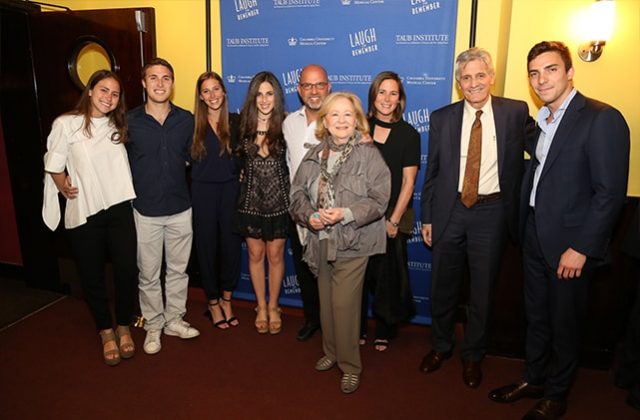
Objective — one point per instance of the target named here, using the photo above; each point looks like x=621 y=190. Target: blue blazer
x=583 y=183
x=440 y=188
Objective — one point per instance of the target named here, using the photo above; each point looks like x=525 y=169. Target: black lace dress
x=263 y=204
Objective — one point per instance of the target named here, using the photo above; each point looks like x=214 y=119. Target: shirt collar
x=544 y=112
x=472 y=111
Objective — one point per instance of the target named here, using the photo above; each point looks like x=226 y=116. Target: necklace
x=261 y=132
x=263 y=119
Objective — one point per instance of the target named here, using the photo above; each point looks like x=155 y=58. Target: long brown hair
x=198 y=150
x=249 y=114
x=116 y=117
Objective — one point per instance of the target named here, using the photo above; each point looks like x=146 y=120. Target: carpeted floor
x=51 y=368
x=18 y=301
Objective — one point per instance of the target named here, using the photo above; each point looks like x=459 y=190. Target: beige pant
x=174 y=233
x=340 y=288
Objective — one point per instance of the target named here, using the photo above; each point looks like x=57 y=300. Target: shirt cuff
x=50 y=203
x=347 y=216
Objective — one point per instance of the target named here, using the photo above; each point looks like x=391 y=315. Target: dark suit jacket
x=440 y=188
x=583 y=183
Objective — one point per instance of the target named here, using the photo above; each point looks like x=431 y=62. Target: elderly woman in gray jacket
x=338 y=198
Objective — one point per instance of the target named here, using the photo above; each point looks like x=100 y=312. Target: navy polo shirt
x=158 y=154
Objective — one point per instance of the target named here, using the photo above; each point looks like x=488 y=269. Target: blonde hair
x=362 y=125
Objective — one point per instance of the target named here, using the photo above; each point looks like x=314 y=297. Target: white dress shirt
x=489 y=182
x=300 y=137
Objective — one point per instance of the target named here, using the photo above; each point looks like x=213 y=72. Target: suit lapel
x=501 y=131
x=454 y=141
x=562 y=134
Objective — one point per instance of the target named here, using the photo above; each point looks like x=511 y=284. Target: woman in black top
x=262 y=216
x=387 y=275
x=214 y=189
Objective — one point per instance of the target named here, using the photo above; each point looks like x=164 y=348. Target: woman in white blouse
x=87 y=163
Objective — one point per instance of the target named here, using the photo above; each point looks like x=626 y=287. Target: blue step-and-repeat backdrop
x=354 y=40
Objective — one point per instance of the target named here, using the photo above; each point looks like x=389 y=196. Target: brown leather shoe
x=513 y=392
x=546 y=410
x=433 y=360
x=471 y=373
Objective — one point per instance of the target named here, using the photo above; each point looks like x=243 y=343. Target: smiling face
x=475 y=82
x=158 y=83
x=387 y=100
x=550 y=79
x=341 y=120
x=313 y=87
x=265 y=100
x=212 y=94
x=104 y=97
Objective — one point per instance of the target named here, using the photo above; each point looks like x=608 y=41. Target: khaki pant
x=174 y=233
x=340 y=287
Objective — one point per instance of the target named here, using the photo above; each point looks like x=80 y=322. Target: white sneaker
x=180 y=328
x=152 y=342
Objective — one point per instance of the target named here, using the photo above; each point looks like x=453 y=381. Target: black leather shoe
x=433 y=360
x=546 y=410
x=307 y=331
x=513 y=392
x=471 y=373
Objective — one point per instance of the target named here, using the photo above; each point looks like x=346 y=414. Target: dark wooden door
x=127 y=35
x=36 y=86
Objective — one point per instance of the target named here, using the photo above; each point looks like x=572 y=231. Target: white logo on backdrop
x=361 y=2
x=290 y=80
x=290 y=285
x=363 y=42
x=423 y=6
x=246 y=9
x=419 y=266
x=260 y=42
x=350 y=79
x=309 y=42
x=422 y=39
x=418 y=118
x=285 y=4
x=423 y=79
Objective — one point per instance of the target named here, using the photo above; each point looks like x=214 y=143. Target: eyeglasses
x=318 y=86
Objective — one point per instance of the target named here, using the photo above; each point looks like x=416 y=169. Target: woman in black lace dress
x=262 y=216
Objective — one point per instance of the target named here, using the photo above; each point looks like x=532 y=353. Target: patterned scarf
x=326 y=187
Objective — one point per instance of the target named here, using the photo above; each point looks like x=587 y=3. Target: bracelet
x=393 y=223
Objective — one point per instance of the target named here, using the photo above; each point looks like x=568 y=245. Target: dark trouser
x=108 y=233
x=213 y=207
x=555 y=310
x=630 y=357
x=307 y=281
x=476 y=235
x=387 y=278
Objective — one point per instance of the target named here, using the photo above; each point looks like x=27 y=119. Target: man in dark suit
x=572 y=191
x=469 y=204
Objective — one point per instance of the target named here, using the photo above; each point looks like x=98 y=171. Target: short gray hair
x=471 y=54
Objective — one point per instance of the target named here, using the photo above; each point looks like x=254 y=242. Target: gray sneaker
x=152 y=342
x=180 y=328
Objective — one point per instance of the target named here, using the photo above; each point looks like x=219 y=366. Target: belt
x=488 y=198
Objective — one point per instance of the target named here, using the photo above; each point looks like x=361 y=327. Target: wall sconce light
x=598 y=29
